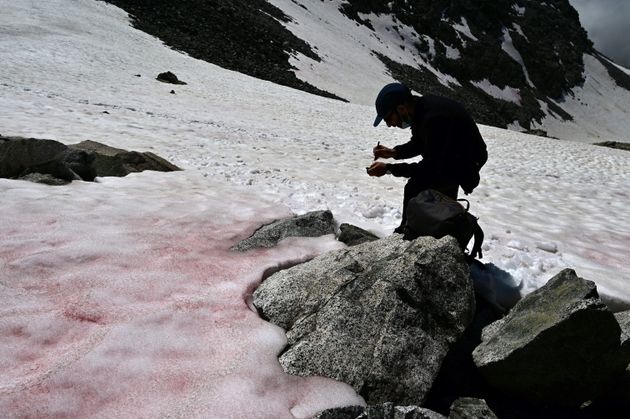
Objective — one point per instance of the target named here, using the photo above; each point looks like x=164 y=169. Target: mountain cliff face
x=531 y=48
x=513 y=63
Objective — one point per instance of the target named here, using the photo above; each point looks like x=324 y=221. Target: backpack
x=432 y=213
x=475 y=157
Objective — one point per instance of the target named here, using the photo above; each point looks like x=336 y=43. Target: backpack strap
x=466 y=201
x=478 y=236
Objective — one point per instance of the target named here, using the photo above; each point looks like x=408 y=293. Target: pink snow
x=122 y=298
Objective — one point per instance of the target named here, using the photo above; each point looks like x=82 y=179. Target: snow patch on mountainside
x=509 y=94
x=600 y=108
x=349 y=66
x=464 y=29
x=507 y=45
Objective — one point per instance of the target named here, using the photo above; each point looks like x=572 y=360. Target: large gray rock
x=471 y=408
x=311 y=224
x=379 y=316
x=51 y=162
x=353 y=235
x=620 y=394
x=560 y=344
x=18 y=155
x=614 y=144
x=382 y=411
x=623 y=318
x=111 y=161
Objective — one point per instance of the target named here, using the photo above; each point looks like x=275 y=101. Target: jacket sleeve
x=405 y=169
x=436 y=157
x=410 y=149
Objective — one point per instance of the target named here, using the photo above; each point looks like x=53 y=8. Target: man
x=442 y=132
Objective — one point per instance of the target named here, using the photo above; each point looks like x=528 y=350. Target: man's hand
x=384 y=152
x=377 y=169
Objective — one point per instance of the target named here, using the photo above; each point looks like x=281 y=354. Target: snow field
x=121 y=298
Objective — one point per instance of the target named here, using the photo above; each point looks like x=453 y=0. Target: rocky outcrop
x=614 y=144
x=560 y=345
x=312 y=224
x=379 y=316
x=20 y=154
x=618 y=398
x=549 y=39
x=110 y=161
x=383 y=411
x=346 y=412
x=21 y=157
x=353 y=235
x=623 y=318
x=53 y=163
x=471 y=408
x=394 y=319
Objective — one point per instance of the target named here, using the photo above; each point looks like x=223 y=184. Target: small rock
x=623 y=318
x=312 y=224
x=45 y=179
x=471 y=408
x=547 y=247
x=346 y=412
x=168 y=77
x=614 y=144
x=353 y=235
x=111 y=161
x=381 y=411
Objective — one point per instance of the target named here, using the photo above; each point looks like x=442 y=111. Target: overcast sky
x=607 y=23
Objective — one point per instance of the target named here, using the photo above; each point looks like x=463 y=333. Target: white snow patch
x=519 y=30
x=520 y=10
x=464 y=29
x=509 y=94
x=353 y=73
x=452 y=53
x=508 y=46
x=601 y=109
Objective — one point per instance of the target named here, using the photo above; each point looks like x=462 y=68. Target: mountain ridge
x=514 y=64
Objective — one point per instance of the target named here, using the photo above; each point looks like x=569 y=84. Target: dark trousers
x=414 y=186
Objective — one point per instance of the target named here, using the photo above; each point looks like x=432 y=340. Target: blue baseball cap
x=388 y=98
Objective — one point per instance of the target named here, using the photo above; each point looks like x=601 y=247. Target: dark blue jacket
x=447 y=138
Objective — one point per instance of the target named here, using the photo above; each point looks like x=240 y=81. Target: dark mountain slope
x=508 y=60
x=548 y=36
x=240 y=35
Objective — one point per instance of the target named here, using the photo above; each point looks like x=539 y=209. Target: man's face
x=392 y=119
x=395 y=117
